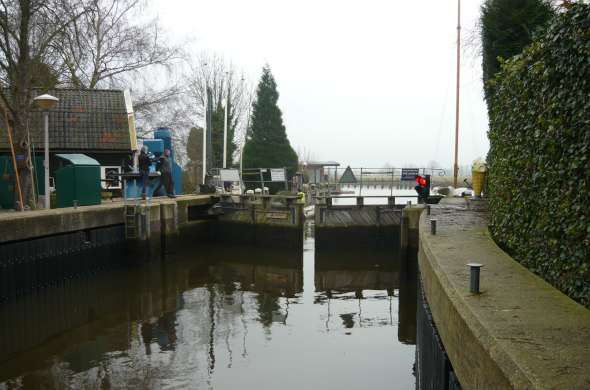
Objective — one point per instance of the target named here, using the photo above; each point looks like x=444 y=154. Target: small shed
x=99 y=123
x=78 y=180
x=315 y=171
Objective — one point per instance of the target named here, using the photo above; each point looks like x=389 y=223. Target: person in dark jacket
x=144 y=169
x=165 y=168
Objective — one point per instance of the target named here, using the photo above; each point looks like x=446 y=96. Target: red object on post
x=421 y=181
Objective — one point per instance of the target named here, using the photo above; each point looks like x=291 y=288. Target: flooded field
x=217 y=317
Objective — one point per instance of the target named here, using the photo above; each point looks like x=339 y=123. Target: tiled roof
x=82 y=120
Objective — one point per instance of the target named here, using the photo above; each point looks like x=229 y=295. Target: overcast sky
x=365 y=83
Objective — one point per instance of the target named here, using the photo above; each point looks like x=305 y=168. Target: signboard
x=232 y=175
x=347 y=177
x=410 y=173
x=277 y=215
x=110 y=177
x=277 y=174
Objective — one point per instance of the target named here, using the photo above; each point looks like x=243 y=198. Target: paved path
x=520 y=332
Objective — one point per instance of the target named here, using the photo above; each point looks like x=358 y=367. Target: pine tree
x=194 y=145
x=267 y=145
x=193 y=170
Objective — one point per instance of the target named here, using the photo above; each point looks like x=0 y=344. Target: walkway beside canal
x=520 y=332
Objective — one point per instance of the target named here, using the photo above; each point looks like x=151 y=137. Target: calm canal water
x=220 y=318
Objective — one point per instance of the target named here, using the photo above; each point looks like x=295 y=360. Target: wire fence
x=337 y=180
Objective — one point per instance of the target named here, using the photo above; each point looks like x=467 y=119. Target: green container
x=78 y=181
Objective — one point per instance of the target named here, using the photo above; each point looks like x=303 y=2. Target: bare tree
x=305 y=155
x=209 y=70
x=106 y=46
x=167 y=107
x=28 y=32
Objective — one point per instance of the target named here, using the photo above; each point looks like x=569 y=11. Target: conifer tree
x=267 y=145
x=507 y=26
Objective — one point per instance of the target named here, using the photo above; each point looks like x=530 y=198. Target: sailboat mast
x=456 y=166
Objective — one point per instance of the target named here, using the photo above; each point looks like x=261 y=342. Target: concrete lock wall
x=519 y=332
x=41 y=247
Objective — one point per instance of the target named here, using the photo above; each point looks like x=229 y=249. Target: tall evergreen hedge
x=507 y=27
x=539 y=157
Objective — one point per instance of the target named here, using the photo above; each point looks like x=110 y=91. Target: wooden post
x=456 y=166
x=361 y=186
x=20 y=193
x=391 y=201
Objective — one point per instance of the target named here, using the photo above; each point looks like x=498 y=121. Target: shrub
x=539 y=155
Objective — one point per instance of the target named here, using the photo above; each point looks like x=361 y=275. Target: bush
x=539 y=155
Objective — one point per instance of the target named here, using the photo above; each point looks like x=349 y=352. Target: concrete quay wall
x=41 y=248
x=38 y=248
x=16 y=226
x=519 y=332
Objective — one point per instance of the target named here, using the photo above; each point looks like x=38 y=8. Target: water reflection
x=217 y=318
x=370 y=279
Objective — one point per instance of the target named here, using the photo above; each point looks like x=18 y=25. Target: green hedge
x=539 y=157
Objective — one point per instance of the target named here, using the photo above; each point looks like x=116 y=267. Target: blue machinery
x=162 y=140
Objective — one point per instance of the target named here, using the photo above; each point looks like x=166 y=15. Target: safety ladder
x=130 y=221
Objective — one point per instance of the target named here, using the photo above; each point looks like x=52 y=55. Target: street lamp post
x=225 y=122
x=46 y=102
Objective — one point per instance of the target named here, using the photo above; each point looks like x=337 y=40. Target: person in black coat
x=165 y=168
x=144 y=169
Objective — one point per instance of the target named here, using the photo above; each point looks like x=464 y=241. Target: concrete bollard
x=433 y=227
x=474 y=274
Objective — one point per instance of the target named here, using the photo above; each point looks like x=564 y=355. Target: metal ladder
x=130 y=221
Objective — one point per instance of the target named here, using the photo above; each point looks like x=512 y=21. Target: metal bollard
x=75 y=204
x=433 y=227
x=409 y=204
x=474 y=269
x=428 y=210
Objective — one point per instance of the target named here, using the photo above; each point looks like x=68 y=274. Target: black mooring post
x=474 y=275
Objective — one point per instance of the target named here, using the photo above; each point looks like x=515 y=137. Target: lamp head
x=46 y=101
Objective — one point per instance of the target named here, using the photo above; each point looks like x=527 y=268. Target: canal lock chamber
x=246 y=297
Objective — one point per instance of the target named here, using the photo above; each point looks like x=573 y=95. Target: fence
x=335 y=180
x=275 y=179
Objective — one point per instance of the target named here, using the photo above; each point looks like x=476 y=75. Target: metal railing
x=250 y=178
x=335 y=179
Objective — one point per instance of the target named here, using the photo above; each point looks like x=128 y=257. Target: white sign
x=232 y=175
x=277 y=174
